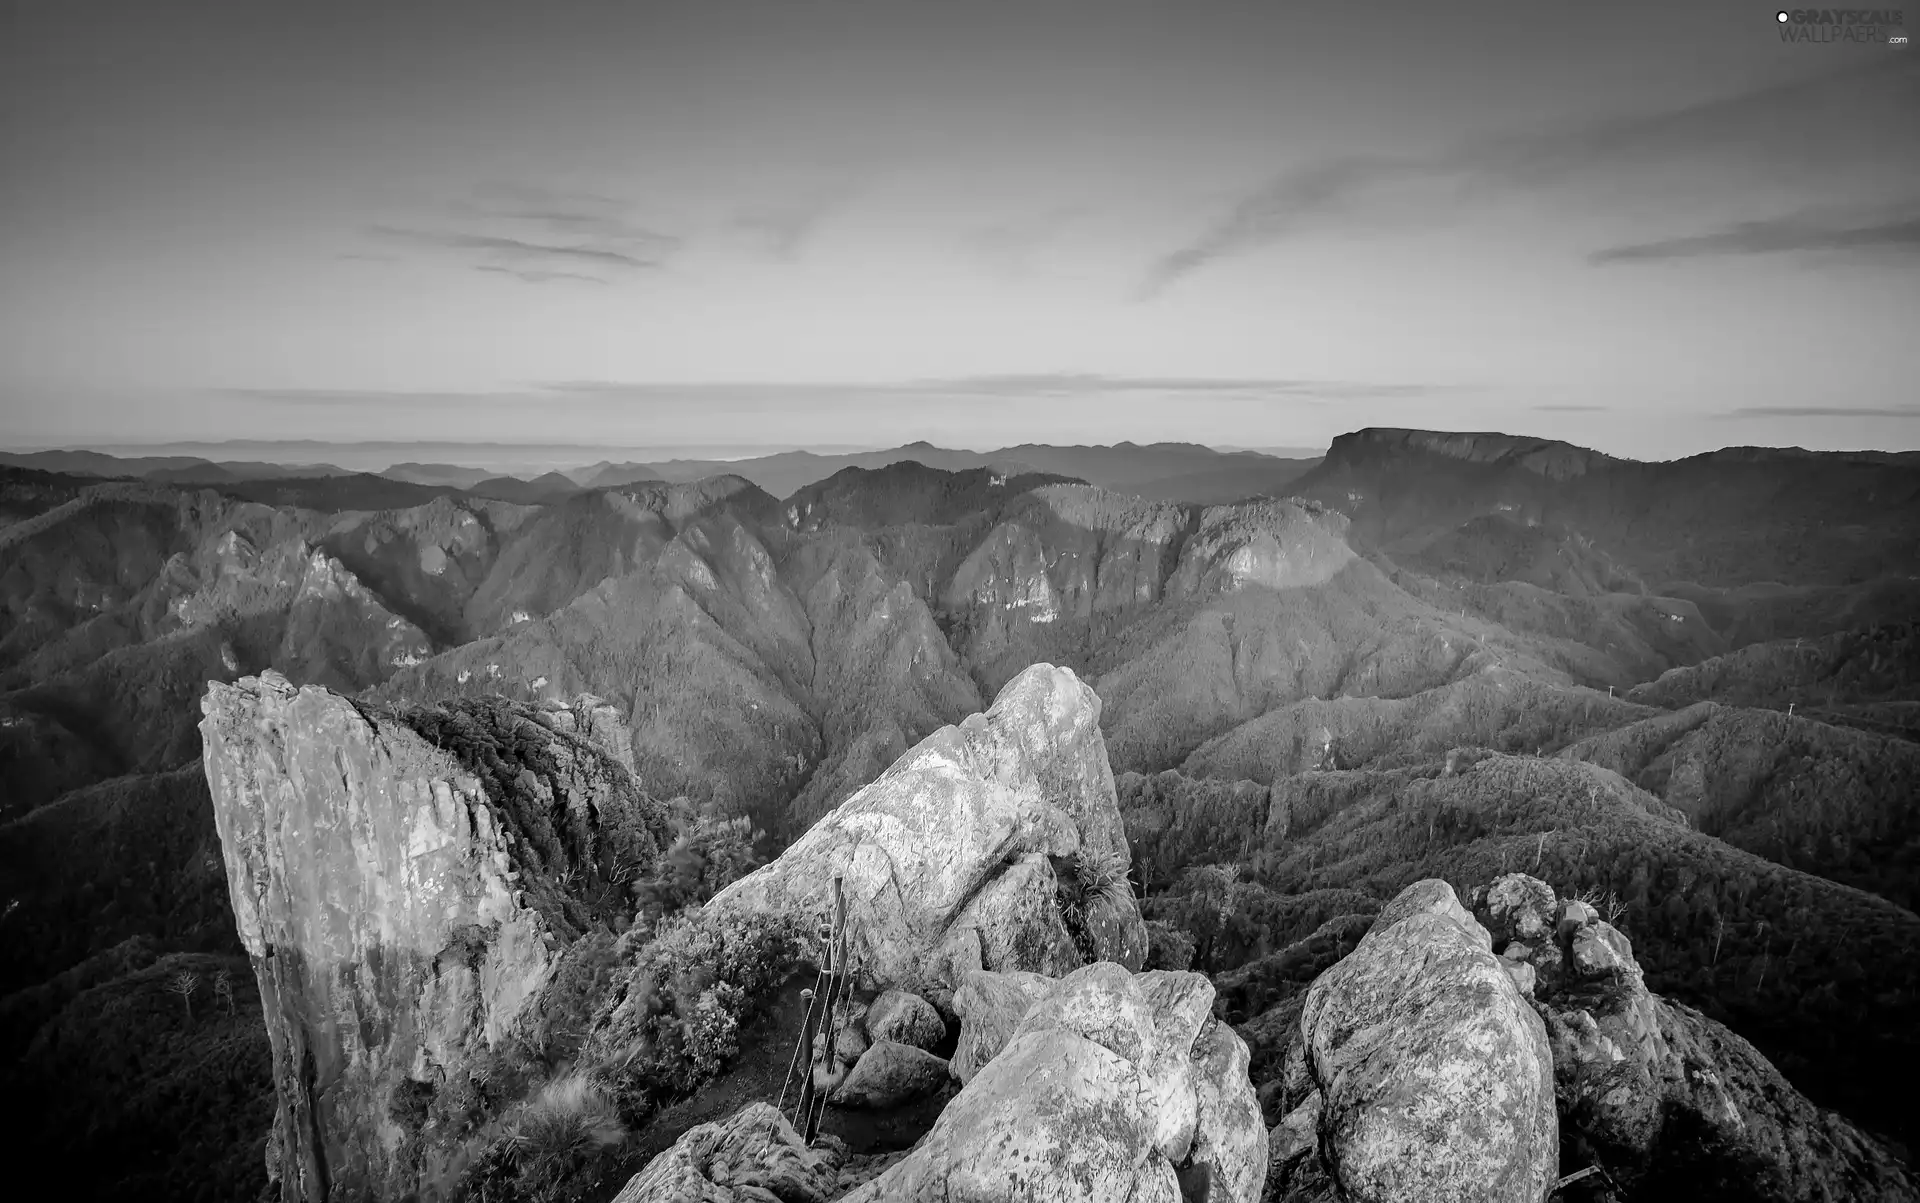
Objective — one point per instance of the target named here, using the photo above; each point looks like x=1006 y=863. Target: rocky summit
x=961 y=855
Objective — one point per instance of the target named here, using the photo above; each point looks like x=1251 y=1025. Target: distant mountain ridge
x=1186 y=472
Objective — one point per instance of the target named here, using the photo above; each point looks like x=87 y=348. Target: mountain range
x=1423 y=654
x=1167 y=471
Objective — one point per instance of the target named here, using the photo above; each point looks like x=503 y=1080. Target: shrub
x=565 y=1143
x=559 y=1139
x=675 y=1024
x=707 y=855
x=1169 y=946
x=1090 y=879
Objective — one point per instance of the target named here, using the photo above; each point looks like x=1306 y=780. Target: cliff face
x=403 y=898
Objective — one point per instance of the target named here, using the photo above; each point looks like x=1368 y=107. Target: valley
x=1684 y=691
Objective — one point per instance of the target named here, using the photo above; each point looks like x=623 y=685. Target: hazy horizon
x=1648 y=230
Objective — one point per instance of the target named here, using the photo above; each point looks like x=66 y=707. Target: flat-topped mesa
x=404 y=883
x=996 y=843
x=1550 y=458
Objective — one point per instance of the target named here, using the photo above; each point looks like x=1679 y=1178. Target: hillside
x=1867 y=678
x=1727 y=931
x=1292 y=690
x=1718 y=521
x=1832 y=801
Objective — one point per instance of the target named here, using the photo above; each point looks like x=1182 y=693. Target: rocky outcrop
x=949 y=859
x=1657 y=1092
x=595 y=720
x=1428 y=1076
x=1118 y=1086
x=404 y=884
x=752 y=1156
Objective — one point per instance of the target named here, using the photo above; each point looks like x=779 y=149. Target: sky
x=1650 y=228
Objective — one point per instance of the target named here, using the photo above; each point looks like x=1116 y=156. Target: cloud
x=513 y=248
x=1908 y=412
x=952 y=394
x=540 y=277
x=537 y=234
x=1810 y=123
x=1010 y=246
x=370 y=397
x=1011 y=387
x=1778 y=235
x=1571 y=409
x=783 y=230
x=1276 y=210
x=1089 y=383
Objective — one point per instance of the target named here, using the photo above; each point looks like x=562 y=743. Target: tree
x=184 y=983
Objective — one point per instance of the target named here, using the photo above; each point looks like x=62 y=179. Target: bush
x=1091 y=878
x=707 y=855
x=675 y=1024
x=562 y=1137
x=1168 y=946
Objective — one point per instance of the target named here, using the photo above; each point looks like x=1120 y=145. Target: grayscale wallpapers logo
x=1843 y=25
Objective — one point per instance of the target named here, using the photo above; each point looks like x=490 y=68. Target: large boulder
x=905 y=1019
x=405 y=899
x=889 y=1074
x=1659 y=1093
x=752 y=1156
x=948 y=858
x=1434 y=1074
x=990 y=1006
x=1112 y=1086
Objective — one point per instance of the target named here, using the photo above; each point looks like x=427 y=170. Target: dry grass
x=561 y=1132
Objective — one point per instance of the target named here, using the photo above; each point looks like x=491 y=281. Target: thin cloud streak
x=536 y=235
x=1572 y=409
x=1012 y=388
x=374 y=397
x=1809 y=120
x=511 y=247
x=1010 y=247
x=1773 y=236
x=1064 y=384
x=783 y=231
x=540 y=277
x=1906 y=412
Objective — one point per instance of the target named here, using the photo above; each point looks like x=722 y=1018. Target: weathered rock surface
x=990 y=1006
x=752 y=1156
x=1662 y=1096
x=595 y=720
x=905 y=1018
x=946 y=858
x=888 y=1074
x=1435 y=1075
x=401 y=898
x=1114 y=1086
